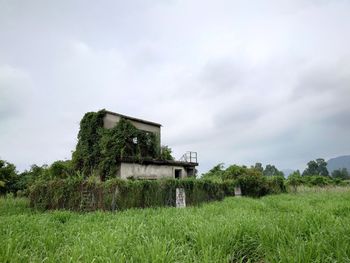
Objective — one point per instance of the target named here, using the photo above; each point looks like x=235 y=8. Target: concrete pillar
x=180 y=198
x=238 y=191
x=114 y=201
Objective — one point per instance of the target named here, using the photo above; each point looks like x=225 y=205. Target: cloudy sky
x=236 y=81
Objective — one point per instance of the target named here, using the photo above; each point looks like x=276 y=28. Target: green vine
x=124 y=141
x=87 y=154
x=100 y=150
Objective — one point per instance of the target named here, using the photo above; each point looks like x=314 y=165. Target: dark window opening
x=191 y=172
x=178 y=173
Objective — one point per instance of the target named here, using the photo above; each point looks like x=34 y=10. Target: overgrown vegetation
x=341 y=174
x=8 y=177
x=99 y=150
x=117 y=194
x=87 y=154
x=303 y=227
x=296 y=179
x=251 y=180
x=317 y=167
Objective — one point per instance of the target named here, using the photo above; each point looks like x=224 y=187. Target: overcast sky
x=236 y=81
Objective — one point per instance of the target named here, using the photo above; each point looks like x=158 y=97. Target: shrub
x=276 y=184
x=8 y=178
x=319 y=181
x=253 y=185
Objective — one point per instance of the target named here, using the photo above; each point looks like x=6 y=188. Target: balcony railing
x=189 y=157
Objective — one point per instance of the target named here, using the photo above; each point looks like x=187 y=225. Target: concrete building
x=151 y=169
x=111 y=119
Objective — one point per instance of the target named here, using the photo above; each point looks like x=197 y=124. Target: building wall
x=110 y=120
x=150 y=171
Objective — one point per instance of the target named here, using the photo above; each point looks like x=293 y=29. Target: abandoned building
x=153 y=168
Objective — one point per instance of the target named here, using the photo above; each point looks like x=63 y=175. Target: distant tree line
x=12 y=181
x=316 y=173
x=319 y=167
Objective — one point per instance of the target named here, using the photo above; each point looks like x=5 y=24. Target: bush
x=8 y=178
x=276 y=184
x=253 y=185
x=296 y=179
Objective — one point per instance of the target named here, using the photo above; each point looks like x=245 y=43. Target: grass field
x=303 y=227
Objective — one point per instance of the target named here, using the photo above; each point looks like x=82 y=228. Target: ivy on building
x=87 y=155
x=99 y=150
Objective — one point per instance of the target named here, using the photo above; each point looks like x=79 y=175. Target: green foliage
x=271 y=170
x=87 y=154
x=235 y=171
x=251 y=180
x=124 y=141
x=61 y=169
x=259 y=167
x=296 y=179
x=122 y=194
x=165 y=153
x=57 y=170
x=8 y=177
x=276 y=184
x=216 y=173
x=99 y=150
x=230 y=173
x=319 y=181
x=59 y=193
x=253 y=185
x=317 y=167
x=342 y=174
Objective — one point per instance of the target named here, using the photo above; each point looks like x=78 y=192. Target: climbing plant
x=99 y=150
x=87 y=153
x=124 y=141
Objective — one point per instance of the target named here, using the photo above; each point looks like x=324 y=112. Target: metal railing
x=189 y=157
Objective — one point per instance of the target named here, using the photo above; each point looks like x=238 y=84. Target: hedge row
x=115 y=194
x=315 y=180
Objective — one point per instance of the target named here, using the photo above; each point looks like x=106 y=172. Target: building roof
x=157 y=162
x=134 y=119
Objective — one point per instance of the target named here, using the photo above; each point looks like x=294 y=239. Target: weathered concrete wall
x=110 y=120
x=150 y=171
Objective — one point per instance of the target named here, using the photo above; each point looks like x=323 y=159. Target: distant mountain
x=338 y=163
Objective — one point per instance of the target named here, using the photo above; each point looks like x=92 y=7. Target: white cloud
x=237 y=81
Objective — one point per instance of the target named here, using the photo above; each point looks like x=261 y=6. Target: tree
x=166 y=153
x=322 y=167
x=259 y=167
x=271 y=170
x=8 y=177
x=342 y=174
x=215 y=172
x=61 y=169
x=317 y=167
x=295 y=179
x=26 y=178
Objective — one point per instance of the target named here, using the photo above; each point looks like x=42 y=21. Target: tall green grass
x=302 y=227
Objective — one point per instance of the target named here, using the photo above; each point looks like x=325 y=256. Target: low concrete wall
x=150 y=171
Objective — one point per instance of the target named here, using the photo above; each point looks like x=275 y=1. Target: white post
x=238 y=191
x=180 y=198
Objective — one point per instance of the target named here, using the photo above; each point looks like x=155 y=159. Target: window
x=178 y=173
